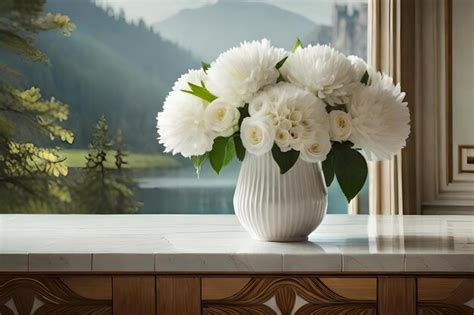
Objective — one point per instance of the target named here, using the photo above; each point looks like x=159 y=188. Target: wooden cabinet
x=285 y=295
x=26 y=294
x=438 y=296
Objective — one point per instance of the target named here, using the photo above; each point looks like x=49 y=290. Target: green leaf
x=285 y=160
x=328 y=169
x=229 y=151
x=350 y=168
x=239 y=147
x=198 y=160
x=201 y=92
x=296 y=45
x=205 y=66
x=223 y=151
x=244 y=113
x=365 y=78
x=281 y=62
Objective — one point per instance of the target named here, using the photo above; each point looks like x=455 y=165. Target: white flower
x=181 y=126
x=221 y=117
x=193 y=76
x=380 y=119
x=317 y=148
x=359 y=66
x=257 y=134
x=239 y=73
x=340 y=125
x=321 y=70
x=291 y=109
x=283 y=139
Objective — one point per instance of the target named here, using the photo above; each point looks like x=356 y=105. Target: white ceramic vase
x=280 y=208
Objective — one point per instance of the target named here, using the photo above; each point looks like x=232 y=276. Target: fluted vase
x=280 y=208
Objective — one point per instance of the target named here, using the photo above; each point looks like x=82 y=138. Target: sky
x=153 y=11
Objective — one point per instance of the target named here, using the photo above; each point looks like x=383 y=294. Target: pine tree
x=125 y=185
x=104 y=190
x=29 y=175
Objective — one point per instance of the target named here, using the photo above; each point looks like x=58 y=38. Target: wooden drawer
x=55 y=295
x=445 y=296
x=288 y=295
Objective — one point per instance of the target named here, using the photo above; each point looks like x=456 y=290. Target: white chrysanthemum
x=181 y=125
x=317 y=148
x=193 y=76
x=360 y=66
x=340 y=125
x=295 y=113
x=380 y=119
x=222 y=117
x=321 y=70
x=257 y=134
x=239 y=73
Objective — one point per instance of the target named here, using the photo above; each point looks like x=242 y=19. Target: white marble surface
x=217 y=243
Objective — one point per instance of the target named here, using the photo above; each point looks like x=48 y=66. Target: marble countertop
x=218 y=244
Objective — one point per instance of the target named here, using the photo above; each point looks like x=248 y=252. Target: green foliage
x=201 y=92
x=110 y=66
x=349 y=166
x=239 y=147
x=74 y=158
x=328 y=169
x=365 y=78
x=198 y=160
x=205 y=66
x=223 y=151
x=296 y=45
x=30 y=176
x=104 y=190
x=285 y=160
x=281 y=62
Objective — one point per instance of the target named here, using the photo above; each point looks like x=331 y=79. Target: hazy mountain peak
x=211 y=29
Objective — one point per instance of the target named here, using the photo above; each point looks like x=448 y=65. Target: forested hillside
x=108 y=66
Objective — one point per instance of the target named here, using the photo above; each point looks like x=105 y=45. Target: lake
x=180 y=191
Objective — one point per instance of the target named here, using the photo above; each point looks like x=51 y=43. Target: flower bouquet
x=282 y=113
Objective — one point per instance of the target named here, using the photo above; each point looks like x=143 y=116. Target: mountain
x=209 y=30
x=107 y=66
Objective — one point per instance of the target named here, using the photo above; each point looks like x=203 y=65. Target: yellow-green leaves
x=201 y=92
x=296 y=45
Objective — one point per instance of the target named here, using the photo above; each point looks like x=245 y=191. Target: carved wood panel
x=437 y=296
x=285 y=296
x=46 y=295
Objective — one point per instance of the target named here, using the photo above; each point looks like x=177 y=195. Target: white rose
x=285 y=124
x=283 y=139
x=317 y=148
x=340 y=125
x=297 y=137
x=257 y=134
x=221 y=117
x=259 y=105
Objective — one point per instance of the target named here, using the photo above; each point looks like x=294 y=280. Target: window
x=122 y=60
